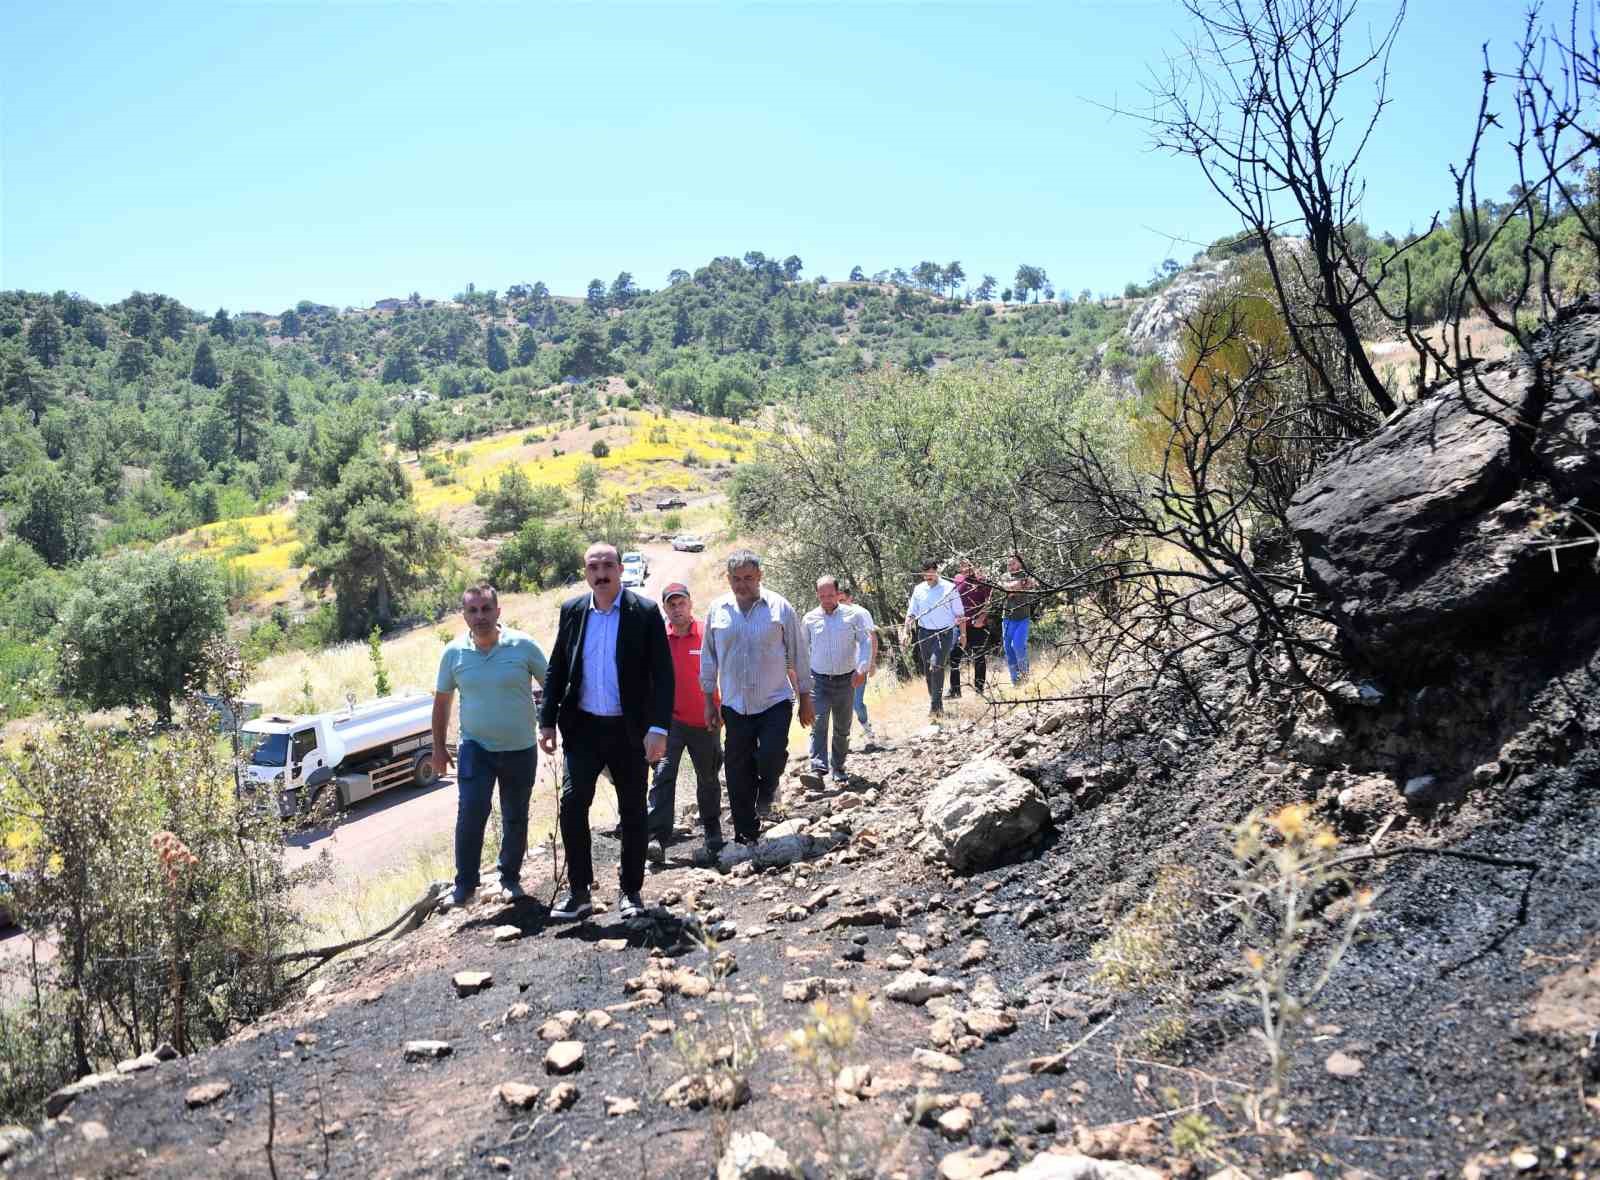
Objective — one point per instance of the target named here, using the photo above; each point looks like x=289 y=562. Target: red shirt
x=688 y=702
x=974 y=597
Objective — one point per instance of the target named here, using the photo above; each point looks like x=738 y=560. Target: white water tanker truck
x=356 y=751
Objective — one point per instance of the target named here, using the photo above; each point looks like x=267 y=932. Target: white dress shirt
x=936 y=607
x=840 y=640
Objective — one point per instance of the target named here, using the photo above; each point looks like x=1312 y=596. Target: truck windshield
x=268 y=749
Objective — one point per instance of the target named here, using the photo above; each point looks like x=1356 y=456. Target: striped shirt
x=749 y=653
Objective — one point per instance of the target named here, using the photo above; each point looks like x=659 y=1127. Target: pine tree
x=244 y=400
x=221 y=325
x=494 y=353
x=44 y=338
x=527 y=347
x=204 y=370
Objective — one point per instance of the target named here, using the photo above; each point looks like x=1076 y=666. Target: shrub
x=672 y=522
x=599 y=450
x=691 y=458
x=540 y=555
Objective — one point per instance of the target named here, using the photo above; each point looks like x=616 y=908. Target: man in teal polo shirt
x=493 y=667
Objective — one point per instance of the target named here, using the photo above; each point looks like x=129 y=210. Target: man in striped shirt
x=841 y=653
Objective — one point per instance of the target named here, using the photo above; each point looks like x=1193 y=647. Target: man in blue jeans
x=493 y=668
x=841 y=652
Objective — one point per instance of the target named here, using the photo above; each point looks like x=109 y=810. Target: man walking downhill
x=609 y=690
x=1017 y=617
x=935 y=622
x=975 y=592
x=847 y=596
x=689 y=732
x=841 y=653
x=493 y=668
x=753 y=646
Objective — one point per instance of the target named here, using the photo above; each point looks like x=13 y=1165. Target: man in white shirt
x=847 y=596
x=935 y=622
x=754 y=650
x=841 y=653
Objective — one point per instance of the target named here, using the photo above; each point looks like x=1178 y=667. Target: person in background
x=847 y=596
x=935 y=622
x=609 y=690
x=493 y=668
x=841 y=653
x=753 y=646
x=975 y=592
x=1016 y=616
x=690 y=732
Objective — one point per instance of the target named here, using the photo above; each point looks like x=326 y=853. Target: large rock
x=982 y=813
x=1429 y=528
x=1052 y=1166
x=1157 y=325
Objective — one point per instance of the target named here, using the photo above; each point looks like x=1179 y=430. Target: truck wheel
x=423 y=772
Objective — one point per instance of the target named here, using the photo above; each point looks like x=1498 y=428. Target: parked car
x=635 y=569
x=671 y=502
x=688 y=543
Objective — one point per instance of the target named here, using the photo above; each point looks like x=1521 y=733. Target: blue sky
x=251 y=155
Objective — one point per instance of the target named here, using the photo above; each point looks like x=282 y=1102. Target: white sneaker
x=512 y=891
x=866 y=728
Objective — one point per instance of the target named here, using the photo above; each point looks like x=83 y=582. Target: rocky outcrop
x=1446 y=517
x=982 y=813
x=1157 y=325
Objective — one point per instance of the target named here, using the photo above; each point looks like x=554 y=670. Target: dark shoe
x=813 y=778
x=655 y=852
x=575 y=907
x=953 y=695
x=707 y=855
x=841 y=779
x=512 y=891
x=632 y=906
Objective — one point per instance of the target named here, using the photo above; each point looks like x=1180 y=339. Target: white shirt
x=840 y=640
x=936 y=607
x=748 y=655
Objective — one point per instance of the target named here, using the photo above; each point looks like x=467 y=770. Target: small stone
x=977 y=951
x=612 y=944
x=942 y=1062
x=1524 y=1159
x=989 y=1023
x=507 y=933
x=564 y=1057
x=555 y=1029
x=517 y=1095
x=853 y=1080
x=372 y=997
x=560 y=1097
x=914 y=987
x=956 y=1123
x=617 y=1107
x=470 y=983
x=305 y=1039
x=500 y=1163
x=854 y=954
x=94 y=1132
x=660 y=1025
x=426 y=1050
x=1342 y=1065
x=138 y=1064
x=13 y=1139
x=861 y=938
x=799 y=991
x=1428 y=788
x=598 y=1019
x=206 y=1093
x=972 y=1164
x=517 y=1012
x=751 y=1155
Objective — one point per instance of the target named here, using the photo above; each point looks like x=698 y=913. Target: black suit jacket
x=644 y=666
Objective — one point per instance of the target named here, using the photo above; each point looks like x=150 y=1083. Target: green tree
x=174 y=319
x=1029 y=278
x=792 y=267
x=527 y=346
x=283 y=406
x=132 y=363
x=204 y=371
x=585 y=354
x=541 y=554
x=622 y=290
x=141 y=323
x=587 y=484
x=366 y=540
x=54 y=517
x=45 y=338
x=335 y=440
x=857 y=275
x=400 y=366
x=221 y=325
x=134 y=631
x=516 y=499
x=414 y=430
x=600 y=449
x=23 y=385
x=180 y=462
x=682 y=329
x=244 y=400
x=954 y=276
x=596 y=296
x=380 y=674
x=494 y=352
x=289 y=324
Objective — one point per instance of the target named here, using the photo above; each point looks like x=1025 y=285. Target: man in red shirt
x=688 y=731
x=975 y=591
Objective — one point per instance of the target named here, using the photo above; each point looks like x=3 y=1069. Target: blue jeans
x=1014 y=635
x=861 y=702
x=832 y=697
x=935 y=648
x=477 y=771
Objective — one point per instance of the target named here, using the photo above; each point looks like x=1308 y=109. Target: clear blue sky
x=251 y=155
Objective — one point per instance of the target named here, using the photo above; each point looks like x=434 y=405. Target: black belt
x=833 y=675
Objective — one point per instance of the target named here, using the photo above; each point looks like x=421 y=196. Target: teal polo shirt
x=495 y=688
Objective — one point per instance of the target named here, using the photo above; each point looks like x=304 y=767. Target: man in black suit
x=609 y=690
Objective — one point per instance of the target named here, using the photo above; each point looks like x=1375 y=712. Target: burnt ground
x=1471 y=1002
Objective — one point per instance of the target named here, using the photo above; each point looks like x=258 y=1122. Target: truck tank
x=377 y=723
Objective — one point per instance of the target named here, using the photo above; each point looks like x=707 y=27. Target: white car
x=688 y=543
x=635 y=569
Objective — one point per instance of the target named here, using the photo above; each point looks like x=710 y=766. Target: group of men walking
x=627 y=689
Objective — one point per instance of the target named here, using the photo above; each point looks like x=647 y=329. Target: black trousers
x=980 y=641
x=757 y=747
x=705 y=752
x=593 y=744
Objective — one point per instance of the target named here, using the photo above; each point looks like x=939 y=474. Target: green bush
x=541 y=554
x=600 y=450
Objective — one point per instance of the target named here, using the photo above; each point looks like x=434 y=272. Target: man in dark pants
x=975 y=593
x=936 y=623
x=755 y=652
x=494 y=668
x=609 y=690
x=689 y=732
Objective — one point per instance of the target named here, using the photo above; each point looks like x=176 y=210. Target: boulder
x=750 y=1155
x=1428 y=529
x=982 y=813
x=206 y=1093
x=1051 y=1165
x=13 y=1138
x=564 y=1057
x=59 y=1100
